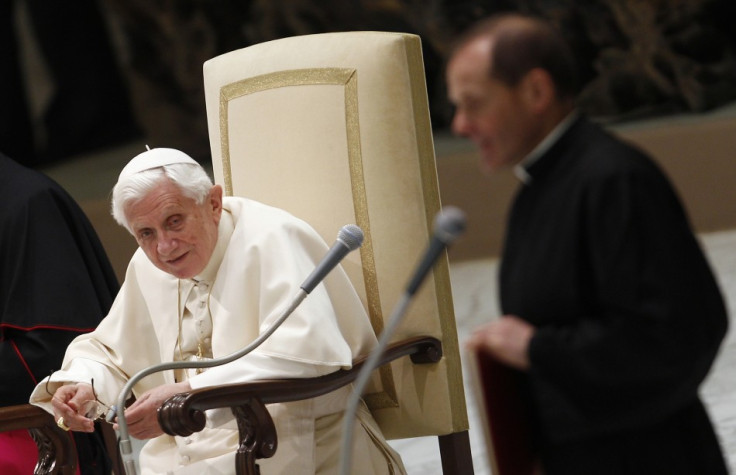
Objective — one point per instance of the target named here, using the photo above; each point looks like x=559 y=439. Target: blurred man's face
x=488 y=112
x=177 y=234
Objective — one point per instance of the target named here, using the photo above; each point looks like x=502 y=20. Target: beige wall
x=118 y=243
x=700 y=158
x=698 y=154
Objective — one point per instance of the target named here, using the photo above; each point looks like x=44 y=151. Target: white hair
x=192 y=180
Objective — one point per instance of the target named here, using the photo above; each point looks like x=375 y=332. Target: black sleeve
x=658 y=317
x=28 y=356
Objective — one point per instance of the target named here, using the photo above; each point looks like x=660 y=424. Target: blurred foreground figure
x=612 y=315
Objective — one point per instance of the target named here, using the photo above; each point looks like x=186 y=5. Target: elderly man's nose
x=165 y=244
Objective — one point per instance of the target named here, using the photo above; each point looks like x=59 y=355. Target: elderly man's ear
x=214 y=198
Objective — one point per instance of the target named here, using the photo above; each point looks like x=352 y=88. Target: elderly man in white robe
x=210 y=274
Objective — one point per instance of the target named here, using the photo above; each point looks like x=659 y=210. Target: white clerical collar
x=224 y=232
x=520 y=170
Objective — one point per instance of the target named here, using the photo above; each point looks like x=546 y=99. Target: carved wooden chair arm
x=183 y=414
x=56 y=452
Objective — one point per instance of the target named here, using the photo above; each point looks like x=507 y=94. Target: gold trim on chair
x=346 y=77
x=425 y=145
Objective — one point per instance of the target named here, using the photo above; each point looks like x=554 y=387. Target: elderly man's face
x=176 y=233
x=496 y=117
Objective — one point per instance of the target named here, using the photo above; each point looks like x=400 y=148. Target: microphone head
x=351 y=235
x=449 y=223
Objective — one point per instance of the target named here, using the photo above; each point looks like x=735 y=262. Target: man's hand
x=507 y=339
x=67 y=400
x=141 y=417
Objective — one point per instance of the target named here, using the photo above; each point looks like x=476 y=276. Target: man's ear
x=538 y=89
x=214 y=199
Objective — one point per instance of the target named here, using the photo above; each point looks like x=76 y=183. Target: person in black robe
x=611 y=313
x=56 y=282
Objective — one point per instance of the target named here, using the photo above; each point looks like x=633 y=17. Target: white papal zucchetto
x=153 y=158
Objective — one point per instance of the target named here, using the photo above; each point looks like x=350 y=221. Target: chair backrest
x=335 y=129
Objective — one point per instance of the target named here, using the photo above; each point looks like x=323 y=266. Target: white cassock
x=262 y=256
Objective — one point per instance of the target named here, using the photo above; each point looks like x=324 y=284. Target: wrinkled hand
x=141 y=418
x=68 y=400
x=507 y=339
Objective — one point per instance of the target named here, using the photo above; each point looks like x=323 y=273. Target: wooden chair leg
x=455 y=454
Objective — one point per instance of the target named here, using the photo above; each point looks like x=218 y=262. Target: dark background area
x=639 y=58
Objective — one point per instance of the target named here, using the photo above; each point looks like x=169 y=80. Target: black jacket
x=600 y=257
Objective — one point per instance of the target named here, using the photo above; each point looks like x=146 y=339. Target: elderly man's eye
x=175 y=221
x=143 y=235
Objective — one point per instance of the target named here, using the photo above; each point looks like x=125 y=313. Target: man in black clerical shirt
x=611 y=313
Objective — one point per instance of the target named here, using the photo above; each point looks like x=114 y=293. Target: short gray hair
x=192 y=180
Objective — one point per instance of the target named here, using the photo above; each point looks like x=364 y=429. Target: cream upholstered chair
x=335 y=128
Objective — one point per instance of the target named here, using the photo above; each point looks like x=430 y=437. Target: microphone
x=449 y=223
x=349 y=238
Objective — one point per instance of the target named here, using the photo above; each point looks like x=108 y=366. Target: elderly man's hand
x=67 y=401
x=141 y=417
x=507 y=339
